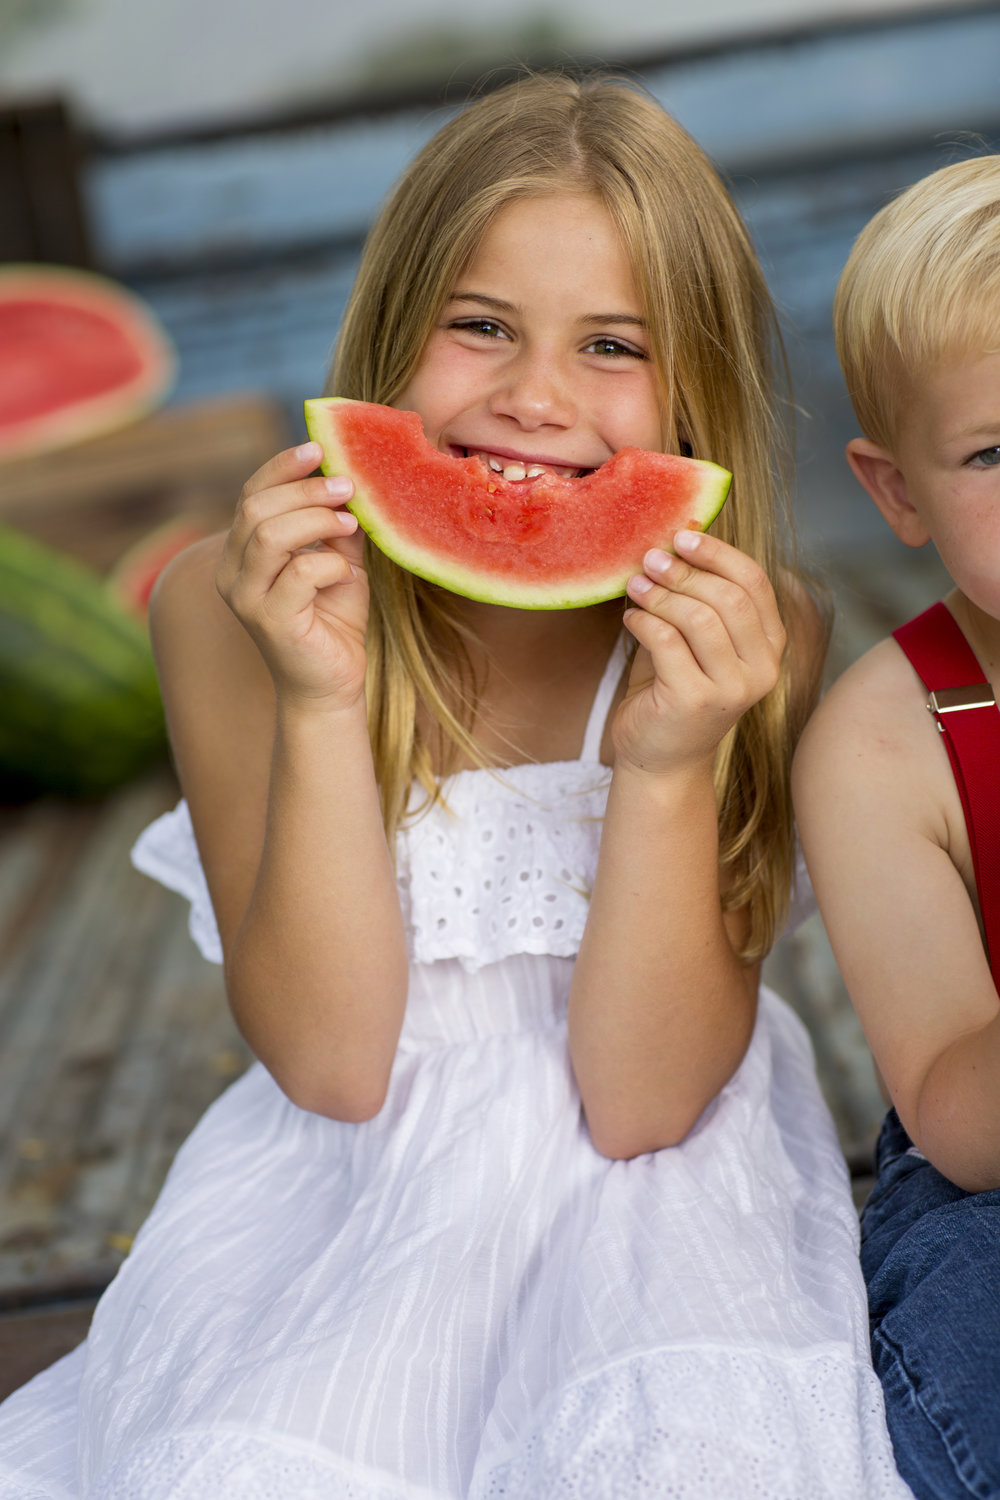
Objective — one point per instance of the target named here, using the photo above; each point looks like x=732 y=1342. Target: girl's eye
x=987 y=458
x=612 y=348
x=485 y=328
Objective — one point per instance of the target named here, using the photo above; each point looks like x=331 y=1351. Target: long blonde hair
x=713 y=340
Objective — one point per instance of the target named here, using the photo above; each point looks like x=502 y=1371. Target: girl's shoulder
x=191 y=626
x=217 y=692
x=186 y=586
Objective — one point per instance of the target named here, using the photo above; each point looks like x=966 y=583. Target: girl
x=531 y=1196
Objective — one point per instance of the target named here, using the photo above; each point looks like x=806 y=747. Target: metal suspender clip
x=953 y=700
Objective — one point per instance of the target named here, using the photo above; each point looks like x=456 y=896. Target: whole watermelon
x=80 y=709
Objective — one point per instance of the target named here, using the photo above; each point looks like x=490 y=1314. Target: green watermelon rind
x=81 y=704
x=584 y=588
x=108 y=410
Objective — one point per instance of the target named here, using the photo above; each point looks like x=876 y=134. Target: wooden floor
x=114 y=1033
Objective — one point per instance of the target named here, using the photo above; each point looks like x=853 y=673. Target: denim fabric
x=931 y=1260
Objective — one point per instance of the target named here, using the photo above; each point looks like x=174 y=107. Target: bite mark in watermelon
x=544 y=543
x=79 y=355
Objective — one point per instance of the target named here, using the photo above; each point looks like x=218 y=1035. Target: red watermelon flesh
x=79 y=355
x=544 y=543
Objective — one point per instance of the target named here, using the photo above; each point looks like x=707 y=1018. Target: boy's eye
x=988 y=458
x=612 y=348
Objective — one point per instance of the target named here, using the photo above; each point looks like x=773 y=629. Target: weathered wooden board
x=114 y=1038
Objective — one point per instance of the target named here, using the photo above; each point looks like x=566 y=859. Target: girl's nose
x=535 y=393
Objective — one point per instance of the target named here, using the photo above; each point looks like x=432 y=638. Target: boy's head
x=917 y=316
x=921 y=288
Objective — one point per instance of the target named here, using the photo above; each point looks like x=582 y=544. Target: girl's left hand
x=713 y=641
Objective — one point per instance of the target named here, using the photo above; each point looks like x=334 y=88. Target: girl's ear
x=877 y=470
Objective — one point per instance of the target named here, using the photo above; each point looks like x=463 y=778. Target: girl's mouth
x=514 y=469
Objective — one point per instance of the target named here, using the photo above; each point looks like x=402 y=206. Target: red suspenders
x=969 y=721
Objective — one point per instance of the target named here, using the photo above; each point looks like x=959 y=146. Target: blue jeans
x=931 y=1260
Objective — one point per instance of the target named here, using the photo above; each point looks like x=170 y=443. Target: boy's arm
x=884 y=838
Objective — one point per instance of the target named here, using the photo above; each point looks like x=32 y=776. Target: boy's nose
x=535 y=394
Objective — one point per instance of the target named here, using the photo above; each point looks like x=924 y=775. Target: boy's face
x=946 y=484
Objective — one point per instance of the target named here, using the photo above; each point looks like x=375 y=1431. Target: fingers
x=292 y=572
x=721 y=576
x=713 y=604
x=284 y=508
x=290 y=464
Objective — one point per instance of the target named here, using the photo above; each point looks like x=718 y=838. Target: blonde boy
x=917 y=318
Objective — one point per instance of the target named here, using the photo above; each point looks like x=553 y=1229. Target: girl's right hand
x=292 y=572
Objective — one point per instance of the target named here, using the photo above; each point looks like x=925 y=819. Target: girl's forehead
x=572 y=225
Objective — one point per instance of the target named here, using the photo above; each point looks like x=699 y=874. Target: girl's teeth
x=515 y=469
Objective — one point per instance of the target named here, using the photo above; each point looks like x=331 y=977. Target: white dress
x=461 y=1297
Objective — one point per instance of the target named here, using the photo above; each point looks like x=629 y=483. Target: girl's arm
x=264 y=695
x=884 y=837
x=661 y=1008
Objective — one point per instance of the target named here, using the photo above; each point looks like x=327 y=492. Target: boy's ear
x=877 y=470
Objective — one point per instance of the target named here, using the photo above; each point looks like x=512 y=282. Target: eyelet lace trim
x=688 y=1424
x=221 y=1464
x=507 y=866
x=700 y=1424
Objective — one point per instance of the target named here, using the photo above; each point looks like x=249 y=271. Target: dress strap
x=965 y=709
x=594 y=733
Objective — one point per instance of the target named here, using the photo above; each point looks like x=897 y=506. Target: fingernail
x=310 y=451
x=639 y=584
x=338 y=486
x=657 y=561
x=687 y=541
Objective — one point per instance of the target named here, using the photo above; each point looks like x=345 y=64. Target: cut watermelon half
x=545 y=543
x=132 y=578
x=79 y=355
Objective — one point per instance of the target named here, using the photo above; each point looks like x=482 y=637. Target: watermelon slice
x=79 y=355
x=132 y=578
x=544 y=543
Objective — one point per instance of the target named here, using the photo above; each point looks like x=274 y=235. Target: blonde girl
x=532 y=1192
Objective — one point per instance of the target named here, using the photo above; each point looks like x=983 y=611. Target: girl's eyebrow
x=499 y=305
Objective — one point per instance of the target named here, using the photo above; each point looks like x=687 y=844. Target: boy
x=909 y=901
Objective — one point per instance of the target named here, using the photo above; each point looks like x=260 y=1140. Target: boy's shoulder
x=877 y=704
x=872 y=746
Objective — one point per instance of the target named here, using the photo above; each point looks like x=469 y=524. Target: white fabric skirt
x=462 y=1298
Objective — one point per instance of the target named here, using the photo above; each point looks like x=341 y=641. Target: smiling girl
x=532 y=1192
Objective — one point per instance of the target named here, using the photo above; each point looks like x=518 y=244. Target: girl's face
x=540 y=359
